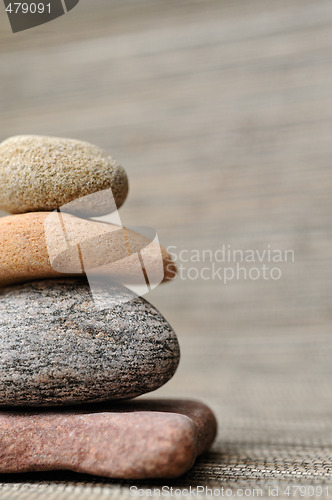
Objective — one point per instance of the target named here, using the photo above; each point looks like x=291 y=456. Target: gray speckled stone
x=56 y=347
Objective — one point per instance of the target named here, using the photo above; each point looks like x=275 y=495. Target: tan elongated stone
x=40 y=245
x=132 y=440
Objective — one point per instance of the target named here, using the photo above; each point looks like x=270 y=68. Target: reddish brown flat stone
x=132 y=440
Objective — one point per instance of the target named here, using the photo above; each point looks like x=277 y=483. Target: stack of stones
x=65 y=361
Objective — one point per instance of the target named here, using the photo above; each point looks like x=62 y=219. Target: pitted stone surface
x=45 y=173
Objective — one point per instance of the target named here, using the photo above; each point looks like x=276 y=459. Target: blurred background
x=221 y=114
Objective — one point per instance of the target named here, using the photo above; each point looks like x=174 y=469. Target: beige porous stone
x=45 y=173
